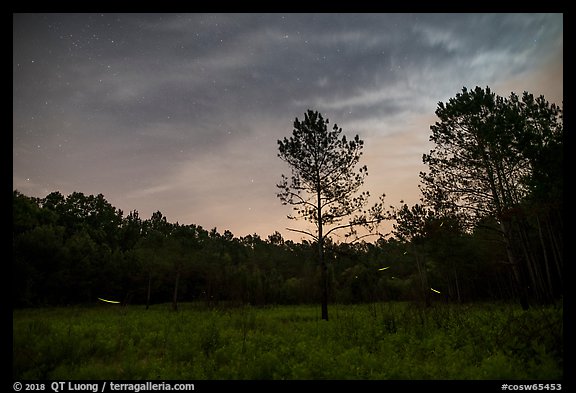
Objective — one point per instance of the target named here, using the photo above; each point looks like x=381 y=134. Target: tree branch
x=352 y=224
x=304 y=232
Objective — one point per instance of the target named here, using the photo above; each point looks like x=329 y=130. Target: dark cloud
x=155 y=110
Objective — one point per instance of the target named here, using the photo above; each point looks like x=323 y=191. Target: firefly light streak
x=108 y=301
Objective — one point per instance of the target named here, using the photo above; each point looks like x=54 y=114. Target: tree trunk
x=324 y=278
x=423 y=278
x=457 y=287
x=323 y=267
x=149 y=290
x=175 y=297
x=517 y=274
x=556 y=246
x=550 y=288
x=498 y=199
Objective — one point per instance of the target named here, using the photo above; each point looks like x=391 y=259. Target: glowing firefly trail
x=108 y=301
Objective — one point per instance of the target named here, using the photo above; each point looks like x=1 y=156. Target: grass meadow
x=379 y=341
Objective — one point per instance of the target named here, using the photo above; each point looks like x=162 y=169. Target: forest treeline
x=75 y=249
x=490 y=227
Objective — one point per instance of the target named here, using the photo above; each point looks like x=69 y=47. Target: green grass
x=372 y=341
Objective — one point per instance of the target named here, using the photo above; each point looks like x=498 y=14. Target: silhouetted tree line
x=76 y=249
x=490 y=227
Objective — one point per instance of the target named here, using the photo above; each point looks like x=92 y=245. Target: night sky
x=181 y=113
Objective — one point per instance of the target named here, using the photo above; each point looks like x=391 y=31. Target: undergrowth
x=369 y=341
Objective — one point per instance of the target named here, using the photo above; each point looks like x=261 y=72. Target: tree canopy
x=501 y=158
